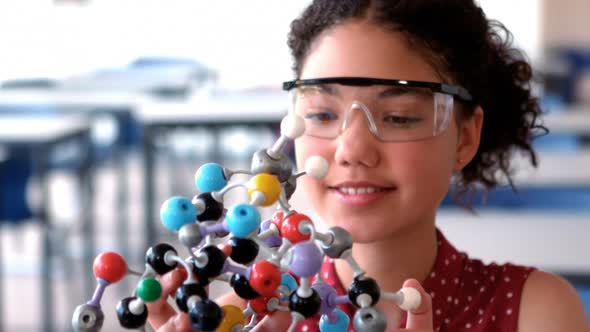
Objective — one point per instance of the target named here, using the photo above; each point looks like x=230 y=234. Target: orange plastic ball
x=232 y=317
x=109 y=266
x=268 y=185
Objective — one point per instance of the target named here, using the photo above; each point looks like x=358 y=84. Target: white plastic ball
x=292 y=126
x=412 y=298
x=257 y=198
x=316 y=167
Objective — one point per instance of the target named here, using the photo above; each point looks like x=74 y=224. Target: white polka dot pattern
x=467 y=295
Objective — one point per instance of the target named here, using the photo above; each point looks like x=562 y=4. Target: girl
x=400 y=96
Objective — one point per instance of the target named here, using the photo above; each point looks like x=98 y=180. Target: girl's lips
x=360 y=196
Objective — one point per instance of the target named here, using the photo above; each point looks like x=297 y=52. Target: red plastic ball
x=226 y=249
x=109 y=266
x=265 y=278
x=309 y=324
x=290 y=228
x=260 y=304
x=277 y=218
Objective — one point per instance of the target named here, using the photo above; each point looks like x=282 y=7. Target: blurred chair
x=115 y=133
x=573 y=64
x=15 y=172
x=34 y=149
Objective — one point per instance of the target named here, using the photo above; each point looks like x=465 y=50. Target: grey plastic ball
x=190 y=235
x=369 y=319
x=342 y=242
x=282 y=168
x=87 y=318
x=290 y=186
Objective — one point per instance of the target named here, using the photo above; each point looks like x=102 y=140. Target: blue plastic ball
x=242 y=220
x=176 y=212
x=290 y=283
x=339 y=325
x=209 y=178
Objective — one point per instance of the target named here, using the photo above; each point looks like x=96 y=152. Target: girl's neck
x=409 y=254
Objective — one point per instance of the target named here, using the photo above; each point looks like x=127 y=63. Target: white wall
x=245 y=39
x=523 y=18
x=566 y=23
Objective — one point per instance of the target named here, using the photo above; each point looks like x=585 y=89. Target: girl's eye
x=321 y=116
x=402 y=121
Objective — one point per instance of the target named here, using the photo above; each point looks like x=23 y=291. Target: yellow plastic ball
x=232 y=316
x=266 y=184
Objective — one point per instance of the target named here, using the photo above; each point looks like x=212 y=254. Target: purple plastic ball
x=306 y=259
x=328 y=294
x=272 y=241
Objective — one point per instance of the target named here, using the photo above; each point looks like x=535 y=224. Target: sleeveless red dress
x=467 y=295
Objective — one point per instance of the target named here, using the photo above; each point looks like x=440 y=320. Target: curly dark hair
x=466 y=48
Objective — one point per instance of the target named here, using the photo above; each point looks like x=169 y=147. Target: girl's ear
x=469 y=138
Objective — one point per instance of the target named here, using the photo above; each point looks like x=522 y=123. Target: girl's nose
x=364 y=110
x=357 y=143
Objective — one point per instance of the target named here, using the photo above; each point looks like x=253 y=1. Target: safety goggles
x=395 y=110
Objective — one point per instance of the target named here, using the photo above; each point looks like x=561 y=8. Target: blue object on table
x=584 y=292
x=546 y=198
x=578 y=62
x=14 y=176
x=27 y=152
x=556 y=142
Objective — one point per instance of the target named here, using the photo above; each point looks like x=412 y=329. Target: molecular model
x=274 y=264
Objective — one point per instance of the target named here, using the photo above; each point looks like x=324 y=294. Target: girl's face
x=374 y=189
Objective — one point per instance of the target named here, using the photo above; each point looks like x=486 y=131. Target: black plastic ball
x=364 y=285
x=205 y=315
x=215 y=262
x=154 y=257
x=184 y=292
x=242 y=287
x=127 y=319
x=197 y=273
x=244 y=251
x=306 y=306
x=213 y=208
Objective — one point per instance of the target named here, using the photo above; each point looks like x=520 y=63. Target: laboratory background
x=108 y=107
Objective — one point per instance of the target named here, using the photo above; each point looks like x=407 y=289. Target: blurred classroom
x=108 y=107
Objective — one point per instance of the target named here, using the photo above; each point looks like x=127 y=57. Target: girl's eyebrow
x=396 y=91
x=323 y=88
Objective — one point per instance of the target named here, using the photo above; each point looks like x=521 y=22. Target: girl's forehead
x=380 y=92
x=363 y=49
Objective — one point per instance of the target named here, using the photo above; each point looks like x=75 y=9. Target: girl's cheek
x=306 y=147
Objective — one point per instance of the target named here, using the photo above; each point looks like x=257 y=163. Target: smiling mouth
x=360 y=190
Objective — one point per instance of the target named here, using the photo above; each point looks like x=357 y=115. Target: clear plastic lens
x=392 y=113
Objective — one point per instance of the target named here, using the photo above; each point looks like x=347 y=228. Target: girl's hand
x=163 y=318
x=161 y=315
x=277 y=321
x=419 y=319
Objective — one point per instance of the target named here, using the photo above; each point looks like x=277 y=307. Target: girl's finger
x=278 y=321
x=421 y=317
x=160 y=312
x=169 y=282
x=177 y=323
x=172 y=280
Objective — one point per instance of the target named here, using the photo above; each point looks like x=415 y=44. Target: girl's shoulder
x=470 y=294
x=551 y=303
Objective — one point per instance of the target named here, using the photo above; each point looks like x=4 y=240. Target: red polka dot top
x=467 y=295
